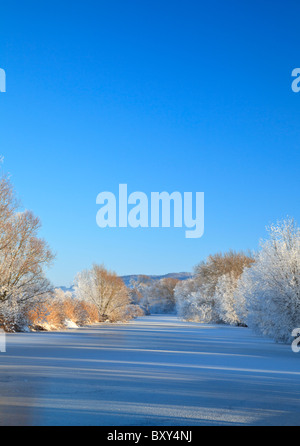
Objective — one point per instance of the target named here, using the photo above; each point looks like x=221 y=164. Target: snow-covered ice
x=153 y=371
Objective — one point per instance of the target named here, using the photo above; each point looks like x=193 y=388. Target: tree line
x=260 y=290
x=28 y=301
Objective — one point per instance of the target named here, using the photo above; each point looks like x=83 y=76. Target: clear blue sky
x=161 y=95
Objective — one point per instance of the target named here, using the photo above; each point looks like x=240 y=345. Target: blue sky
x=161 y=95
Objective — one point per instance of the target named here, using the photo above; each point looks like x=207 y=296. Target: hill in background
x=178 y=276
x=128 y=279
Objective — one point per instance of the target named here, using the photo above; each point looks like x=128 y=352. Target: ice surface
x=153 y=371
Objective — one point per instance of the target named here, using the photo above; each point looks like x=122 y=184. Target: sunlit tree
x=105 y=290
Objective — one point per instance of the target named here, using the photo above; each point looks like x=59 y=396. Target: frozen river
x=153 y=371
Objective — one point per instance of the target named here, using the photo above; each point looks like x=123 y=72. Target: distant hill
x=178 y=276
x=128 y=279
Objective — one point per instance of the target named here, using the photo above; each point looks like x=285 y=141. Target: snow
x=70 y=324
x=153 y=371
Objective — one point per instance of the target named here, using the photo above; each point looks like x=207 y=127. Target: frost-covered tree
x=164 y=298
x=186 y=303
x=140 y=292
x=225 y=301
x=105 y=290
x=23 y=259
x=268 y=294
x=194 y=303
x=209 y=272
x=154 y=296
x=206 y=297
